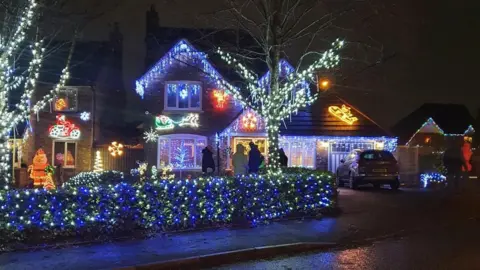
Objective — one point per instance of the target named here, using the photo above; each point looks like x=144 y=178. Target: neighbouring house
x=433 y=124
x=187 y=110
x=85 y=114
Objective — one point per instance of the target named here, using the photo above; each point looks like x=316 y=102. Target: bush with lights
x=108 y=210
x=93 y=179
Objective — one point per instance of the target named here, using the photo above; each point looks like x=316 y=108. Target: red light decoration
x=64 y=129
x=221 y=98
x=60 y=104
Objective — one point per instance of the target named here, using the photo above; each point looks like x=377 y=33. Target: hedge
x=159 y=205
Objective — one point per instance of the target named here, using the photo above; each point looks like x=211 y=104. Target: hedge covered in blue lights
x=160 y=205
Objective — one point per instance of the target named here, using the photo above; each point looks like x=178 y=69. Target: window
x=183 y=96
x=66 y=100
x=181 y=151
x=299 y=153
x=377 y=156
x=64 y=153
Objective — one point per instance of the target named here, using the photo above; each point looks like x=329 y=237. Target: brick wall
x=40 y=136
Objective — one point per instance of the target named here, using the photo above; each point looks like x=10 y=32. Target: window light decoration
x=115 y=149
x=64 y=129
x=85 y=116
x=60 y=104
x=249 y=121
x=163 y=122
x=220 y=98
x=343 y=113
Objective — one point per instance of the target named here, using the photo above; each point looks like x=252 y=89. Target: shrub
x=159 y=205
x=93 y=179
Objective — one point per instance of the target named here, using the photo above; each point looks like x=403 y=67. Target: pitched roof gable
x=450 y=118
x=182 y=52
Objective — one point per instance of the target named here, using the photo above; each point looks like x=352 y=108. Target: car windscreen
x=377 y=156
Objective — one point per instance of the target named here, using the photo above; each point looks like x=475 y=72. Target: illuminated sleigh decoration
x=343 y=114
x=64 y=129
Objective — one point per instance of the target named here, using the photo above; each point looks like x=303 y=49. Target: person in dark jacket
x=255 y=158
x=283 y=158
x=207 y=161
x=454 y=162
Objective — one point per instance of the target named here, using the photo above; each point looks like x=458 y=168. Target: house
x=79 y=118
x=433 y=124
x=187 y=109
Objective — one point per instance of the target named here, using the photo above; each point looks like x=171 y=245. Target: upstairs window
x=66 y=100
x=183 y=96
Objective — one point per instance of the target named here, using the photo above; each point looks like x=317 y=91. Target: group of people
x=242 y=164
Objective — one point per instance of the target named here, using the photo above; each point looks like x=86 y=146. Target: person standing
x=454 y=163
x=239 y=160
x=283 y=158
x=254 y=158
x=208 y=164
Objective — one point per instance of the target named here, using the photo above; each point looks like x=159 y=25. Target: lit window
x=183 y=96
x=299 y=153
x=181 y=151
x=66 y=100
x=64 y=153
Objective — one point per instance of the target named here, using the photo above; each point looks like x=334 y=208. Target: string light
x=98 y=166
x=115 y=149
x=432 y=178
x=431 y=122
x=220 y=97
x=60 y=104
x=343 y=114
x=249 y=121
x=93 y=202
x=64 y=129
x=85 y=116
x=163 y=122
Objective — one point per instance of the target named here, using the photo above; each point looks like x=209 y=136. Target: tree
x=274 y=25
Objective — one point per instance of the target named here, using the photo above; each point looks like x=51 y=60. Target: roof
x=87 y=61
x=316 y=120
x=450 y=118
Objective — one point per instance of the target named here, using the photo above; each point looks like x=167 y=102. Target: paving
x=368 y=215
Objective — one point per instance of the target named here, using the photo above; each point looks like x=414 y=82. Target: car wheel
x=353 y=184
x=376 y=186
x=338 y=180
x=395 y=185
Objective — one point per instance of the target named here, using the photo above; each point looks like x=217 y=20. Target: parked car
x=374 y=167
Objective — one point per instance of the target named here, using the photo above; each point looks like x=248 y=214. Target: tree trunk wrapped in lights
x=281 y=94
x=13 y=114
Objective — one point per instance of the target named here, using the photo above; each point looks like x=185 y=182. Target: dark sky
x=435 y=43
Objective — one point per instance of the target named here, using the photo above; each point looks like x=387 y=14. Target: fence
x=125 y=162
x=408 y=165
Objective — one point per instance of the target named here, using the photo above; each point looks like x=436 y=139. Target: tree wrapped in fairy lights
x=12 y=45
x=278 y=95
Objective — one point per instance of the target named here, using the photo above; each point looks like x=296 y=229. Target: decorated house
x=187 y=110
x=80 y=116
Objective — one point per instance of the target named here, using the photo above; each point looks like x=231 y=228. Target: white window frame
x=75 y=89
x=181 y=137
x=288 y=142
x=196 y=109
x=65 y=142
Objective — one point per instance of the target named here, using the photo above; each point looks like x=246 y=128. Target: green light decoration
x=163 y=122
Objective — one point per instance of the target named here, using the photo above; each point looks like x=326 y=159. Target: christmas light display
x=163 y=122
x=37 y=169
x=432 y=178
x=115 y=149
x=220 y=97
x=98 y=166
x=60 y=104
x=182 y=54
x=64 y=129
x=49 y=184
x=431 y=123
x=150 y=136
x=249 y=121
x=24 y=83
x=94 y=179
x=161 y=204
x=343 y=114
x=85 y=116
x=279 y=98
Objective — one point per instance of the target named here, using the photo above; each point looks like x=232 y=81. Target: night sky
x=435 y=47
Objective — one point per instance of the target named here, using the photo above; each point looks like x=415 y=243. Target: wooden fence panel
x=123 y=163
